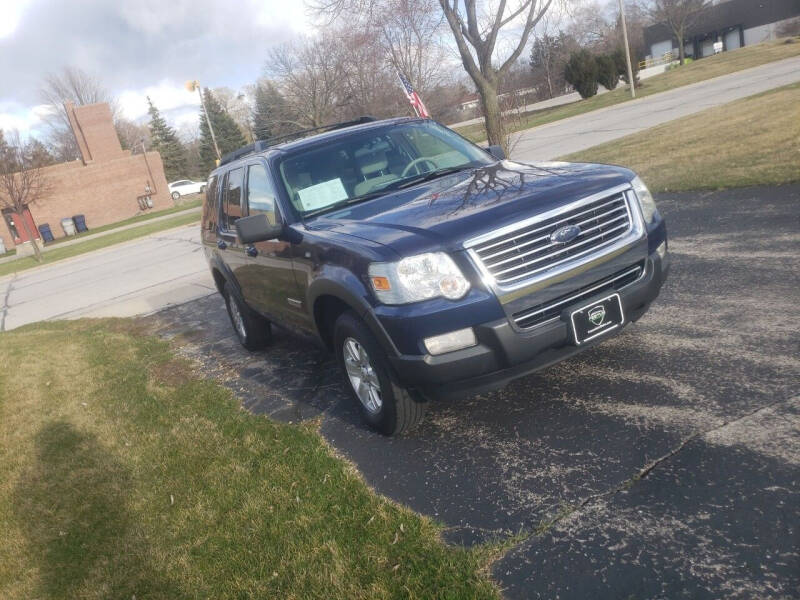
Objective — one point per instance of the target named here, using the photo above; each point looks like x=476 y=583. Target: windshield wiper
x=429 y=176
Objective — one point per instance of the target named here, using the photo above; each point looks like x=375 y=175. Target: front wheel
x=176 y=195
x=385 y=405
x=253 y=330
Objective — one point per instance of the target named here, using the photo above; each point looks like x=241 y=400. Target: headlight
x=418 y=278
x=645 y=200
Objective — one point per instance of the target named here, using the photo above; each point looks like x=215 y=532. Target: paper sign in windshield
x=322 y=194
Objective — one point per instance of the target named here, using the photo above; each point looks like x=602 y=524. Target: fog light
x=662 y=250
x=448 y=342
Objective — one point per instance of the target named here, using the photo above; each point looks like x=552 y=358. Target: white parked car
x=186 y=186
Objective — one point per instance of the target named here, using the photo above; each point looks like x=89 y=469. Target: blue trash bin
x=46 y=232
x=80 y=223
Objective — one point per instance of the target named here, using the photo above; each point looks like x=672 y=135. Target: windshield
x=367 y=164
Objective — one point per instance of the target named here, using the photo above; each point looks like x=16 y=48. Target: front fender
x=347 y=287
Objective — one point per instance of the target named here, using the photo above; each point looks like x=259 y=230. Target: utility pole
x=195 y=85
x=627 y=48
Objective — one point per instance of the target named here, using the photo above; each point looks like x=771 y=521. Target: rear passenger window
x=210 y=206
x=260 y=193
x=232 y=202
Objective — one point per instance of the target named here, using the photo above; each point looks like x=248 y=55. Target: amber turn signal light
x=381 y=284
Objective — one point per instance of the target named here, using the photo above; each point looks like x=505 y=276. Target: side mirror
x=497 y=152
x=256 y=228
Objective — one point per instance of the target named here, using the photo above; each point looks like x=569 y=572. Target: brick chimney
x=94 y=131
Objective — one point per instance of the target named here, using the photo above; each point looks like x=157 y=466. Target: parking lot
x=663 y=463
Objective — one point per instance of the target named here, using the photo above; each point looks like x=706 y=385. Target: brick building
x=106 y=184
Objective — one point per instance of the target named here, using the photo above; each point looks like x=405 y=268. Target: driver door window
x=261 y=194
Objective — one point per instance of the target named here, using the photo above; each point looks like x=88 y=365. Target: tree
x=607 y=71
x=271 y=114
x=229 y=136
x=164 y=139
x=311 y=77
x=476 y=34
x=237 y=106
x=74 y=85
x=618 y=56
x=22 y=181
x=581 y=72
x=476 y=40
x=549 y=55
x=679 y=16
x=410 y=33
x=131 y=134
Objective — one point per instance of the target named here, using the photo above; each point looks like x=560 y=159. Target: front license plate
x=598 y=318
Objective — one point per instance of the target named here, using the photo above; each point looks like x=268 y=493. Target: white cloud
x=137 y=48
x=166 y=96
x=23 y=119
x=10 y=15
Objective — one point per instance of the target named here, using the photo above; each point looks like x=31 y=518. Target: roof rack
x=260 y=145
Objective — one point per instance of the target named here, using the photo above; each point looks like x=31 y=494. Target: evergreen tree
x=164 y=140
x=4 y=149
x=271 y=113
x=229 y=136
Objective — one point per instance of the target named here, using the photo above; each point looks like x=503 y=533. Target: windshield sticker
x=322 y=194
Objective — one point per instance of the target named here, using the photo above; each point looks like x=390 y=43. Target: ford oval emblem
x=564 y=235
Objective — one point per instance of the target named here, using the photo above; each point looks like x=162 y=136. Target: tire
x=176 y=195
x=399 y=409
x=202 y=189
x=253 y=330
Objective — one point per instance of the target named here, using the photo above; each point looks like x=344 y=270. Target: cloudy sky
x=137 y=48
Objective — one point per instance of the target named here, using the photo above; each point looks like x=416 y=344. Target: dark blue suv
x=428 y=265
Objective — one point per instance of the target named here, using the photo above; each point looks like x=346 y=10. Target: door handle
x=221 y=244
x=251 y=251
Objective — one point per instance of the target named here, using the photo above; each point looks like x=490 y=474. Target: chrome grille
x=526 y=251
x=551 y=310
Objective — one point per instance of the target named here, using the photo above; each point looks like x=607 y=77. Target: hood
x=444 y=213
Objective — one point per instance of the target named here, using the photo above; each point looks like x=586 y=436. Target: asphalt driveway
x=664 y=463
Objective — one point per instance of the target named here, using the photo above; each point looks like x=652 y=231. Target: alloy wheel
x=362 y=375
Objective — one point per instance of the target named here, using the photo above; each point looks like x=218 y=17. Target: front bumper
x=504 y=353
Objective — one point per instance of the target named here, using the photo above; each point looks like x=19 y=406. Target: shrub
x=607 y=74
x=622 y=67
x=581 y=73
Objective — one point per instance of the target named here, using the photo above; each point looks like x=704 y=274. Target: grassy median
x=753 y=141
x=56 y=254
x=699 y=70
x=122 y=476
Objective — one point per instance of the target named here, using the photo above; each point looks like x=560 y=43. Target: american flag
x=413 y=97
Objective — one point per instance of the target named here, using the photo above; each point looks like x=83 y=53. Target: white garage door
x=732 y=40
x=659 y=49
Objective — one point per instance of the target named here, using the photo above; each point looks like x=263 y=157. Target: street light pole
x=195 y=85
x=627 y=48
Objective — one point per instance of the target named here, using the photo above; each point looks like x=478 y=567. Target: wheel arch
x=329 y=299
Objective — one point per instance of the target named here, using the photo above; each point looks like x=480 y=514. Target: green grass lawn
x=57 y=254
x=699 y=70
x=122 y=475
x=137 y=219
x=753 y=141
